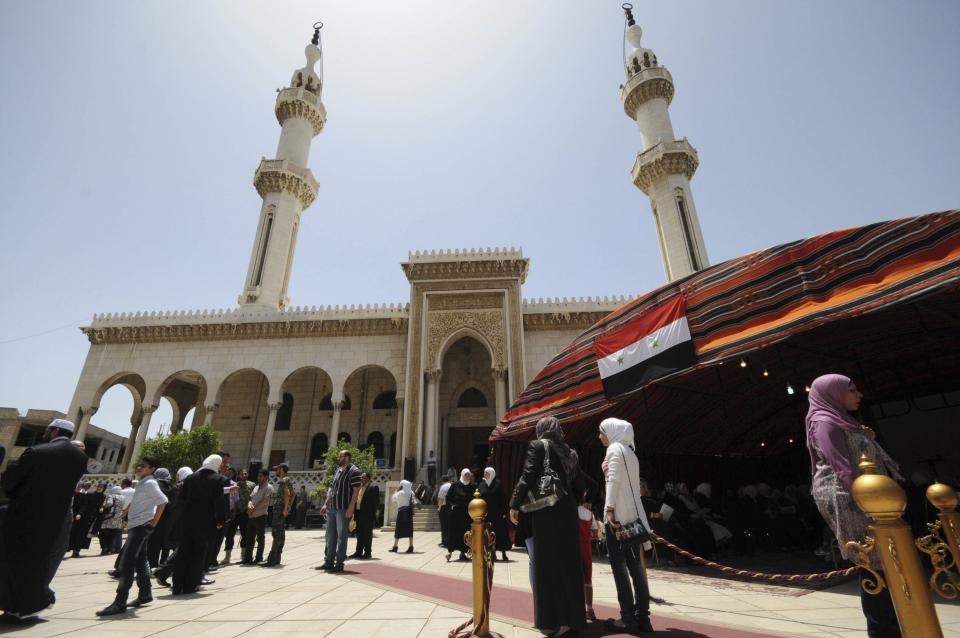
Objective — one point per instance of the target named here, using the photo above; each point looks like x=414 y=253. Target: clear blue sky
x=130 y=133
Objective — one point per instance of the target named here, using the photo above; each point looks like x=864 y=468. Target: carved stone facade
x=489 y=324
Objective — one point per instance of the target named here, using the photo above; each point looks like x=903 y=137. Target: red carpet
x=512 y=605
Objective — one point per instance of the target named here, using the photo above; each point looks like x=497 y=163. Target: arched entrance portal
x=467 y=405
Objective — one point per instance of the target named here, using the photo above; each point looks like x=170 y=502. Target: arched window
x=344 y=436
x=375 y=439
x=385 y=401
x=472 y=398
x=318 y=447
x=284 y=413
x=393 y=450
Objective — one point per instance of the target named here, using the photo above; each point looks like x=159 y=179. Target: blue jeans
x=133 y=558
x=625 y=564
x=529 y=543
x=337 y=536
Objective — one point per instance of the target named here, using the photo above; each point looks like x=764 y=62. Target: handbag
x=635 y=532
x=548 y=490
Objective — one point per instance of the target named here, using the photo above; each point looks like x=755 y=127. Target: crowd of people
x=177 y=526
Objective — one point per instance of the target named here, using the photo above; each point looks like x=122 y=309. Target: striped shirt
x=341 y=489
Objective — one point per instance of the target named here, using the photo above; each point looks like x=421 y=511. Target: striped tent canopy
x=879 y=303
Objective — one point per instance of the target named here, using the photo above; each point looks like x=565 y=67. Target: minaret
x=664 y=168
x=286 y=185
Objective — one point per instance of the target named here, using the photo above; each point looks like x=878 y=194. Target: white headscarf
x=183 y=473
x=618 y=431
x=406 y=489
x=115 y=490
x=493 y=475
x=406 y=486
x=463 y=473
x=704 y=489
x=213 y=462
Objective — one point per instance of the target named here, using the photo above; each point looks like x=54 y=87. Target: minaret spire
x=664 y=169
x=286 y=185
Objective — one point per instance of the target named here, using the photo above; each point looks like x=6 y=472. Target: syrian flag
x=651 y=346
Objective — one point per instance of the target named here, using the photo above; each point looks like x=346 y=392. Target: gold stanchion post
x=944 y=498
x=884 y=501
x=477 y=542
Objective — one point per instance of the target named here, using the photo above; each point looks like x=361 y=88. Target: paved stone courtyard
x=295 y=600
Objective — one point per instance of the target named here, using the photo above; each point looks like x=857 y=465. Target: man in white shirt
x=142 y=515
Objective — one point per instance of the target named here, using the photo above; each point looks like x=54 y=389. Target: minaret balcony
x=275 y=176
x=664 y=158
x=647 y=84
x=299 y=102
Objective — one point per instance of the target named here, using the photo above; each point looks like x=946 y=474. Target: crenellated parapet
x=565 y=313
x=244 y=323
x=471 y=263
x=275 y=176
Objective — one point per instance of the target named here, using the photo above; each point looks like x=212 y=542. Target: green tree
x=183 y=448
x=364 y=459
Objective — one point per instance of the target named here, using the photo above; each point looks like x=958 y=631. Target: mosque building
x=282 y=382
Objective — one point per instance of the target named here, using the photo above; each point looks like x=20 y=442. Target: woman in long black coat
x=492 y=492
x=458 y=498
x=86 y=512
x=204 y=511
x=558 y=604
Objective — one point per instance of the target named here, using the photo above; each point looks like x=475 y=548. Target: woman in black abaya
x=558 y=604
x=86 y=512
x=492 y=492
x=458 y=498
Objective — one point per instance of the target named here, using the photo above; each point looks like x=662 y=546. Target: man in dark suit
x=368 y=500
x=40 y=487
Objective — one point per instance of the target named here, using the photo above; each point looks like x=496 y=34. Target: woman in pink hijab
x=836 y=440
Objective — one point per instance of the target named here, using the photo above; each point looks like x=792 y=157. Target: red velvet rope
x=790 y=578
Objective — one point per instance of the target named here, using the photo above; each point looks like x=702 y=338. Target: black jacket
x=203 y=505
x=367 y=508
x=533 y=470
x=40 y=487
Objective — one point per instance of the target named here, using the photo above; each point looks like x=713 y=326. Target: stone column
x=211 y=410
x=84 y=422
x=148 y=411
x=268 y=436
x=128 y=448
x=335 y=425
x=431 y=409
x=398 y=452
x=500 y=384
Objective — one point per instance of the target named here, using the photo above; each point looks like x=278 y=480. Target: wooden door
x=461 y=447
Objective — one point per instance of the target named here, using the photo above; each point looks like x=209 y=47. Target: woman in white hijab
x=621 y=468
x=492 y=492
x=405 y=500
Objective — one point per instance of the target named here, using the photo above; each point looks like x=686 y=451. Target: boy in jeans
x=145 y=509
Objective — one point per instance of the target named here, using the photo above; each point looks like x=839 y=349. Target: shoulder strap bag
x=548 y=490
x=635 y=532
